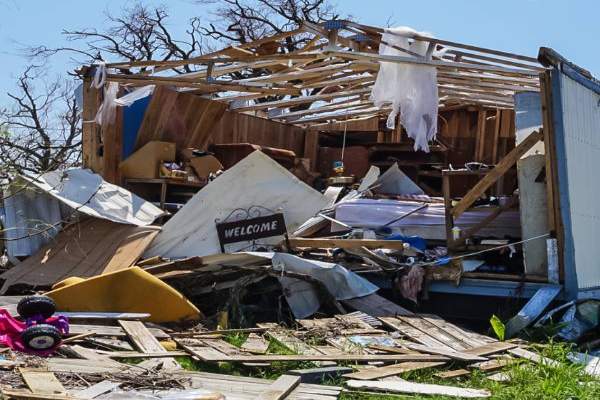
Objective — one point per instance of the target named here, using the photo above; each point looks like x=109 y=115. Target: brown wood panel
x=86 y=249
x=192 y=121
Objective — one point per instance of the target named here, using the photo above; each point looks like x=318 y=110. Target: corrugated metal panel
x=581 y=133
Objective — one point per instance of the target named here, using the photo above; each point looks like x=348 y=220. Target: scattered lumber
x=419 y=388
x=280 y=389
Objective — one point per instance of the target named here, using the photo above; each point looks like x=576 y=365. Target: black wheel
x=36 y=305
x=41 y=337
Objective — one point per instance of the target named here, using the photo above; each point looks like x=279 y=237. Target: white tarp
x=257 y=180
x=88 y=193
x=411 y=89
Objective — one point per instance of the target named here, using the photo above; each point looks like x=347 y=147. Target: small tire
x=41 y=337
x=36 y=305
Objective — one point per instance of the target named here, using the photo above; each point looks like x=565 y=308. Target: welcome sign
x=250 y=229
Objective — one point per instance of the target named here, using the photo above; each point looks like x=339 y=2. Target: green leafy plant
x=498 y=327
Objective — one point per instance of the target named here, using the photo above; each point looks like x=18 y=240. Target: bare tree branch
x=42 y=129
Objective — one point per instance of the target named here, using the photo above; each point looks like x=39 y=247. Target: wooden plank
x=27 y=395
x=376 y=306
x=141 y=338
x=42 y=382
x=82 y=366
x=412 y=332
x=214 y=355
x=457 y=355
x=111 y=331
x=347 y=243
x=137 y=354
x=500 y=169
x=281 y=388
x=534 y=357
x=434 y=332
x=255 y=344
x=291 y=342
x=455 y=373
x=97 y=389
x=419 y=388
x=468 y=338
x=144 y=341
x=491 y=365
x=491 y=348
x=391 y=370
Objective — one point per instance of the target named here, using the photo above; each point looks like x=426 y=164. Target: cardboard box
x=203 y=166
x=144 y=163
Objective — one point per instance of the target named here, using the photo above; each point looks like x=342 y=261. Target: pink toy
x=39 y=333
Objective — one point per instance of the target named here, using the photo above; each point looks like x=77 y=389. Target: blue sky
x=519 y=26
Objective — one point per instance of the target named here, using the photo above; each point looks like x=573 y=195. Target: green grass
x=529 y=381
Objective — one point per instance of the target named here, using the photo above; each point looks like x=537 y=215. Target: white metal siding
x=581 y=123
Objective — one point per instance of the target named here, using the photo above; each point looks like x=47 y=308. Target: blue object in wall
x=133 y=116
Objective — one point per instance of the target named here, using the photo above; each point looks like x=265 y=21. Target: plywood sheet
x=86 y=249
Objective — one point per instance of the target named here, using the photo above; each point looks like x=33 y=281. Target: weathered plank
x=42 y=382
x=534 y=357
x=97 y=389
x=390 y=370
x=145 y=341
x=255 y=344
x=216 y=356
x=280 y=389
x=455 y=373
x=420 y=388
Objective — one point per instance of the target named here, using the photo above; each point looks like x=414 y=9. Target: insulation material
x=410 y=88
x=88 y=193
x=257 y=180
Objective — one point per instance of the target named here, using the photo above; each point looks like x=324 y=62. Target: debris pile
x=261 y=213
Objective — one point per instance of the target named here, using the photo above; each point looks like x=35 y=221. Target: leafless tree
x=139 y=32
x=242 y=21
x=41 y=131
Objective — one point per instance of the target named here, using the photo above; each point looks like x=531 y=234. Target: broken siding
x=578 y=150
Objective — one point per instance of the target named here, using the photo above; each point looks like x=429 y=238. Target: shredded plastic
x=410 y=88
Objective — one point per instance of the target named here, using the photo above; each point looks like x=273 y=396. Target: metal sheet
x=578 y=152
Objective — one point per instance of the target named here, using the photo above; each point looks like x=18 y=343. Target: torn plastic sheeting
x=302 y=296
x=412 y=89
x=88 y=193
x=255 y=181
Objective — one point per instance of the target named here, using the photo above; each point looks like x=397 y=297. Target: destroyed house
x=511 y=166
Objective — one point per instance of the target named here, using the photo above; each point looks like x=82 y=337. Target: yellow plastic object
x=127 y=290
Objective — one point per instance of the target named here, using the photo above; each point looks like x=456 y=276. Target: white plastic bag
x=410 y=88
